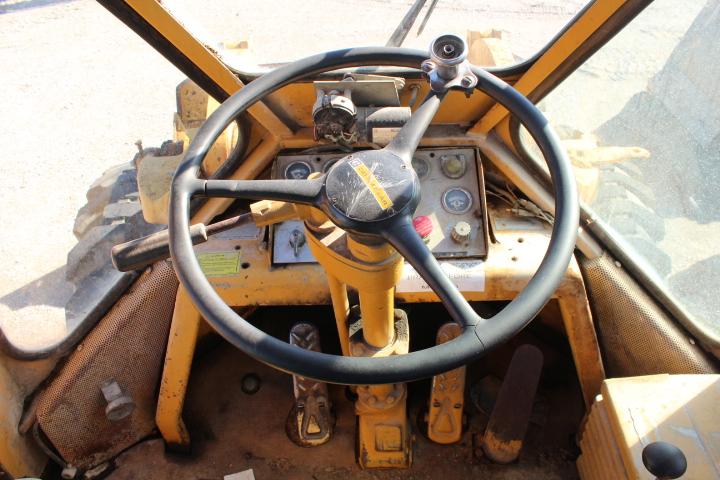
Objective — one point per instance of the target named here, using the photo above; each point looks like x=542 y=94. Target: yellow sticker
x=219 y=264
x=368 y=178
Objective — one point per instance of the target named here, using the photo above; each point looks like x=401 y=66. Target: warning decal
x=219 y=264
x=368 y=178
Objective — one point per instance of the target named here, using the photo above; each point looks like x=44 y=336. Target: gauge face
x=297 y=171
x=329 y=164
x=421 y=166
x=457 y=200
x=453 y=166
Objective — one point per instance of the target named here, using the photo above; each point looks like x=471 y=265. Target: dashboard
x=451 y=217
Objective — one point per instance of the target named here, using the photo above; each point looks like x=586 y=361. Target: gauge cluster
x=451 y=216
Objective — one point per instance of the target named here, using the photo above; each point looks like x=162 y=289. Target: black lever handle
x=141 y=252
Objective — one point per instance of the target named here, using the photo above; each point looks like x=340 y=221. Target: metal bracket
x=448 y=66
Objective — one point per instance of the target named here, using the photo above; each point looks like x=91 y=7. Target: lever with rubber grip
x=141 y=252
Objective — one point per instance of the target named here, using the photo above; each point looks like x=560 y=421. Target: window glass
x=641 y=123
x=280 y=31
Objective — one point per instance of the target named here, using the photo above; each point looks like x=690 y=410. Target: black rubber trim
x=473 y=342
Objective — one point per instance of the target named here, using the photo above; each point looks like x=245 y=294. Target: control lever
x=139 y=253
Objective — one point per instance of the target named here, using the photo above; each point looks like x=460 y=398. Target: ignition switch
x=297 y=240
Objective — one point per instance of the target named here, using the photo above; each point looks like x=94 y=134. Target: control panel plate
x=452 y=198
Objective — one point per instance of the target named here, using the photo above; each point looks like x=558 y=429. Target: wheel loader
x=379 y=262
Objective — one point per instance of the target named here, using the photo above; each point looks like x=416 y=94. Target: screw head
x=468 y=81
x=427 y=66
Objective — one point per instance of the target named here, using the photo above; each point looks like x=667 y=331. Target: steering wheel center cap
x=371 y=186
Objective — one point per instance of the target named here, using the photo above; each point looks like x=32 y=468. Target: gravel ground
x=82 y=88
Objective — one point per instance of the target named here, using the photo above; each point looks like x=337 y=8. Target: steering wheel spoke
x=402 y=235
x=295 y=191
x=408 y=138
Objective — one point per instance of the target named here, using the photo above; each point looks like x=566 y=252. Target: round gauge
x=421 y=166
x=453 y=166
x=457 y=200
x=298 y=171
x=329 y=164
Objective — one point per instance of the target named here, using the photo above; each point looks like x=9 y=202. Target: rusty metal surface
x=127 y=345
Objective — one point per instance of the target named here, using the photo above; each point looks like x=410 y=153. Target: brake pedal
x=445 y=411
x=311 y=419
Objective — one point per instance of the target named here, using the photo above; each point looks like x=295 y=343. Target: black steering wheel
x=351 y=203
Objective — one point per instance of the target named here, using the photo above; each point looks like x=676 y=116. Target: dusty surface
x=233 y=431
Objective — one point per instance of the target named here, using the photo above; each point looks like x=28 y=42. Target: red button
x=423 y=225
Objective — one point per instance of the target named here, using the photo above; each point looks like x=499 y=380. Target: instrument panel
x=451 y=216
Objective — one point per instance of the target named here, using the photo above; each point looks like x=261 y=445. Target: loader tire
x=111 y=215
x=627 y=205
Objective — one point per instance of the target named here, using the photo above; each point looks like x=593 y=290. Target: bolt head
x=250 y=384
x=468 y=81
x=119 y=408
x=427 y=66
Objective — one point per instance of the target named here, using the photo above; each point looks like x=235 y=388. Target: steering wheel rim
x=478 y=336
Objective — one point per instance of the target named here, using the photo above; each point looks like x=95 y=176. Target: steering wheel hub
x=371 y=186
